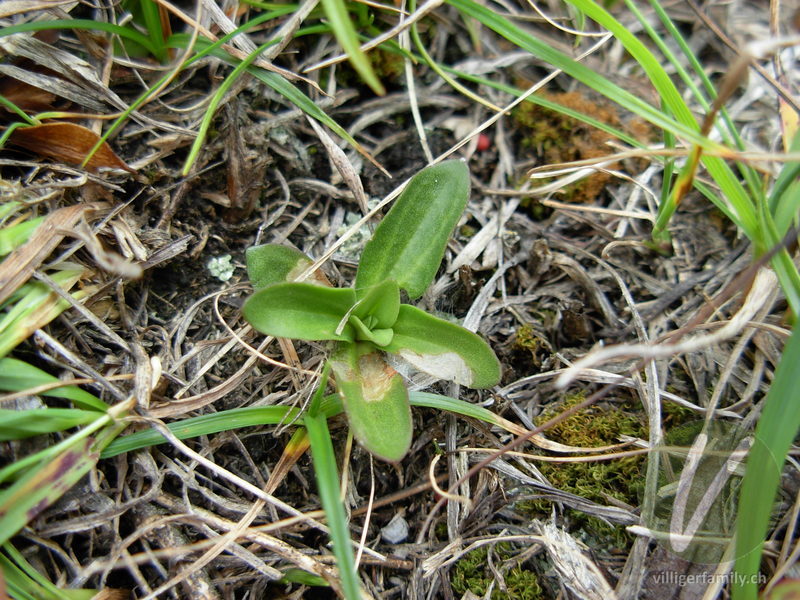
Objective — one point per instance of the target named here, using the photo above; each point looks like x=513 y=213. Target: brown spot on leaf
x=376 y=377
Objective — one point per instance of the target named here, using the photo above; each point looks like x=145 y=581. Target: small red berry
x=483 y=142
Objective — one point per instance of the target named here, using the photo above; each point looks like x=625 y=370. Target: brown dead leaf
x=69 y=143
x=27 y=97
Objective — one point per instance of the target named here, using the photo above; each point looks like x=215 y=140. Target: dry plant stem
x=787 y=559
x=408 y=68
x=19 y=266
x=227 y=26
x=180 y=407
x=515 y=443
x=444 y=493
x=79 y=364
x=560 y=459
x=532 y=90
x=362 y=542
x=784 y=93
x=735 y=356
x=342 y=165
x=220 y=545
x=293 y=361
x=227 y=475
x=87 y=314
x=625 y=214
x=401 y=495
x=762 y=289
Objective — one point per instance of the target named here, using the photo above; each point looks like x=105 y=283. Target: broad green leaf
x=443 y=349
x=301 y=311
x=375 y=400
x=273 y=263
x=379 y=306
x=409 y=243
x=17 y=376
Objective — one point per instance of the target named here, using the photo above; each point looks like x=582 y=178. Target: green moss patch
x=473 y=573
x=620 y=479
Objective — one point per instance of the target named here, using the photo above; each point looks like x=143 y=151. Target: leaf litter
x=574 y=274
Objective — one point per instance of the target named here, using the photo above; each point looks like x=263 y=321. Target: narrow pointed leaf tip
x=375 y=399
x=410 y=241
x=444 y=350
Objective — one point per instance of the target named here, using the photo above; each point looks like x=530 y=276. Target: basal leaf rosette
x=369 y=321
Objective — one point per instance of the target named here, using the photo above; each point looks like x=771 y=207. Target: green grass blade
x=342 y=26
x=776 y=429
x=732 y=190
x=683 y=125
x=19 y=424
x=16 y=110
x=41 y=486
x=18 y=376
x=554 y=106
x=182 y=41
x=215 y=101
x=24 y=582
x=730 y=133
x=13 y=236
x=327 y=476
x=124 y=32
x=581 y=72
x=152 y=20
x=784 y=201
x=280 y=85
x=303 y=102
x=225 y=420
x=460 y=407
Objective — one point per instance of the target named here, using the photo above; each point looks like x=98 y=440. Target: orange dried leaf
x=69 y=143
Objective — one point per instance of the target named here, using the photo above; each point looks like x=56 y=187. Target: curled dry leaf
x=69 y=143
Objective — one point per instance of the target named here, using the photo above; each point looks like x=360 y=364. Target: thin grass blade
x=18 y=376
x=776 y=429
x=225 y=420
x=327 y=476
x=342 y=26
